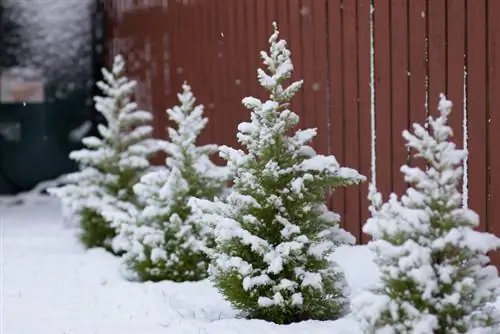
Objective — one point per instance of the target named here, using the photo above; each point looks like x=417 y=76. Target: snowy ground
x=50 y=285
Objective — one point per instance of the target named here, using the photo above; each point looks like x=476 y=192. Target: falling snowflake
x=305 y=10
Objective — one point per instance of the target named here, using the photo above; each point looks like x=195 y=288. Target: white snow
x=373 y=152
x=465 y=128
x=52 y=285
x=453 y=295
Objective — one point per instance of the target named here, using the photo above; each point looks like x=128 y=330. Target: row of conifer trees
x=266 y=241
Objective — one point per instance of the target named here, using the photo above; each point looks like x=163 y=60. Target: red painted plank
x=284 y=26
x=224 y=74
x=212 y=60
x=154 y=67
x=233 y=106
x=308 y=65
x=418 y=66
x=477 y=110
x=295 y=40
x=400 y=85
x=336 y=104
x=494 y=121
x=167 y=60
x=456 y=63
x=351 y=117
x=177 y=41
x=364 y=96
x=270 y=17
x=245 y=74
x=221 y=73
x=437 y=53
x=281 y=10
x=282 y=18
x=263 y=27
x=382 y=36
x=157 y=53
x=271 y=13
x=320 y=67
x=187 y=30
x=253 y=50
x=204 y=67
x=195 y=77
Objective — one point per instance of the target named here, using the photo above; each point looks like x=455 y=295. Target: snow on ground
x=51 y=285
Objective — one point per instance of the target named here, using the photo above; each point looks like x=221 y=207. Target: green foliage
x=165 y=242
x=189 y=265
x=274 y=233
x=95 y=230
x=110 y=165
x=434 y=268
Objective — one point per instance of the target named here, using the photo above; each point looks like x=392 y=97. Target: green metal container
x=50 y=53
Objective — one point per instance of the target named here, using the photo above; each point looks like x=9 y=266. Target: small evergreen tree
x=274 y=233
x=112 y=164
x=434 y=273
x=165 y=242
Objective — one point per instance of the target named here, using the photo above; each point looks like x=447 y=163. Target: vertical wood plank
x=253 y=50
x=400 y=87
x=418 y=66
x=382 y=35
x=437 y=52
x=455 y=65
x=190 y=48
x=308 y=64
x=196 y=77
x=477 y=109
x=282 y=17
x=224 y=62
x=204 y=71
x=319 y=87
x=351 y=117
x=336 y=104
x=235 y=76
x=177 y=45
x=364 y=13
x=263 y=28
x=157 y=52
x=295 y=36
x=244 y=72
x=281 y=9
x=271 y=14
x=493 y=122
x=214 y=76
x=169 y=92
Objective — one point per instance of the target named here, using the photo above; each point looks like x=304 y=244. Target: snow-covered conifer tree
x=165 y=242
x=110 y=164
x=274 y=233
x=435 y=277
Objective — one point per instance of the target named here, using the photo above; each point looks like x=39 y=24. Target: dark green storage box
x=60 y=64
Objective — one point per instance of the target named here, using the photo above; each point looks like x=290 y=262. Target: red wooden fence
x=367 y=64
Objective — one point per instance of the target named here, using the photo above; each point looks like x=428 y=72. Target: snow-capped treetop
x=125 y=141
x=113 y=162
x=274 y=233
x=271 y=120
x=280 y=68
x=182 y=151
x=435 y=277
x=264 y=114
x=189 y=170
x=164 y=241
